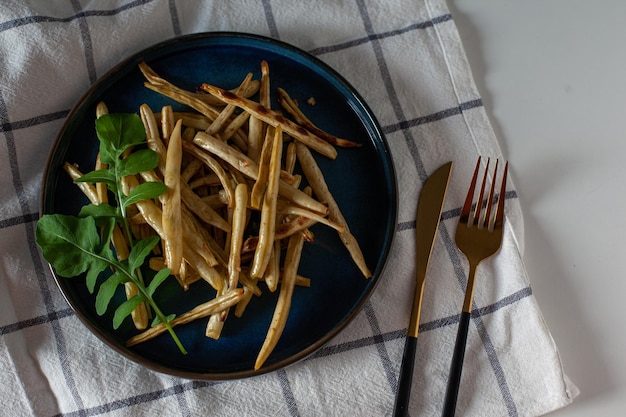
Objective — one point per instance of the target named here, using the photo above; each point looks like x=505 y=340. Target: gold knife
x=429 y=209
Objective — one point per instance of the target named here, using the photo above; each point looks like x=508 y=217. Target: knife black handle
x=405 y=381
x=454 y=379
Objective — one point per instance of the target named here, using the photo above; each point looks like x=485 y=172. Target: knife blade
x=429 y=207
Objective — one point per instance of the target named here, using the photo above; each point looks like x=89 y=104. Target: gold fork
x=478 y=236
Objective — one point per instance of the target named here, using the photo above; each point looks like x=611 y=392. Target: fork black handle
x=456 y=368
x=405 y=381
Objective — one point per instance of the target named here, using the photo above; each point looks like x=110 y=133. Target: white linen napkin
x=407 y=61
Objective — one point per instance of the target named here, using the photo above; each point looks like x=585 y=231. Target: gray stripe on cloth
x=391 y=93
x=140 y=399
x=288 y=396
x=355 y=42
x=175 y=19
x=357 y=344
x=181 y=398
x=379 y=342
x=496 y=366
x=511 y=299
x=36 y=321
x=27 y=20
x=17 y=220
x=85 y=36
x=269 y=17
x=434 y=117
x=38 y=266
x=479 y=312
x=33 y=121
x=424 y=327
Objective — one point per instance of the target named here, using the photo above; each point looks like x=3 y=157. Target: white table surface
x=552 y=75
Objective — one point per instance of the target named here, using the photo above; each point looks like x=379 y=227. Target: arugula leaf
x=168 y=319
x=144 y=191
x=157 y=280
x=117 y=133
x=71 y=244
x=98 y=211
x=125 y=309
x=140 y=250
x=107 y=290
x=138 y=161
x=100 y=175
x=91 y=279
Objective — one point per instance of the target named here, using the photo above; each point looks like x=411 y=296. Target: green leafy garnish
x=76 y=245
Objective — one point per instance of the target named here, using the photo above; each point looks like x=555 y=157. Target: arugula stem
x=126 y=226
x=162 y=317
x=129 y=237
x=148 y=298
x=136 y=276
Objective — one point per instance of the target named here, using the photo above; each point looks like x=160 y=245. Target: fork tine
x=467 y=207
x=478 y=221
x=501 y=196
x=487 y=222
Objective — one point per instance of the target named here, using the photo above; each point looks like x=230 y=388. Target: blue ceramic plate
x=362 y=180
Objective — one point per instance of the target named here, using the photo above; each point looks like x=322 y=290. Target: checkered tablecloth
x=407 y=61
